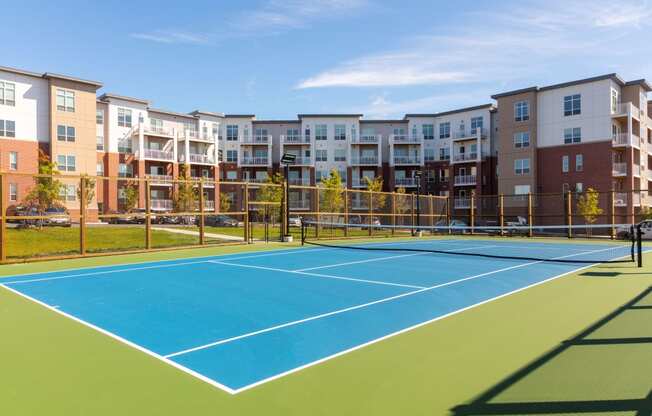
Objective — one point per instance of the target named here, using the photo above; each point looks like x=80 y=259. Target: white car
x=646 y=230
x=295 y=221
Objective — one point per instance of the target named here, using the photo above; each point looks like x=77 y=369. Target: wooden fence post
x=247 y=225
x=393 y=212
x=371 y=212
x=501 y=213
x=3 y=235
x=612 y=212
x=317 y=212
x=346 y=212
x=201 y=212
x=148 y=215
x=472 y=216
x=82 y=215
x=569 y=213
x=449 y=199
x=530 y=217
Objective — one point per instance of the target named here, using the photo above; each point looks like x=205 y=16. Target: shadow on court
x=604 y=369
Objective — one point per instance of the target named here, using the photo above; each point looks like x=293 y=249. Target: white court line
x=388 y=258
x=125 y=341
x=364 y=305
x=274 y=269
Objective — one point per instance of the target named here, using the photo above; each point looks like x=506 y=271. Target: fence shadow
x=490 y=403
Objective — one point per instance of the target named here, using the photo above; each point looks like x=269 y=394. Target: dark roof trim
x=276 y=122
x=206 y=113
x=613 y=77
x=239 y=115
x=328 y=115
x=171 y=113
x=514 y=92
x=382 y=121
x=48 y=75
x=447 y=113
x=109 y=96
x=646 y=86
x=20 y=72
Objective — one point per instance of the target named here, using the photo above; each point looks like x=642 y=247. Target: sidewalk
x=196 y=233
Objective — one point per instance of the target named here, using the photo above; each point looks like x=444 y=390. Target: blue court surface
x=238 y=321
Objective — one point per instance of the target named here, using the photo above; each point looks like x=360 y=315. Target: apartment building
x=51 y=113
x=594 y=132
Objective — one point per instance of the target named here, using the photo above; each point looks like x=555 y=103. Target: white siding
x=32 y=110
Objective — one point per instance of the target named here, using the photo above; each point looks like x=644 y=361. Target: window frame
x=125 y=117
x=579 y=167
x=69 y=133
x=64 y=98
x=13 y=164
x=445 y=130
x=522 y=168
x=572 y=105
x=318 y=132
x=4 y=89
x=4 y=128
x=572 y=135
x=522 y=110
x=519 y=142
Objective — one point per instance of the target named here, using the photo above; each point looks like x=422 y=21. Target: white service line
x=364 y=305
x=388 y=258
x=353 y=279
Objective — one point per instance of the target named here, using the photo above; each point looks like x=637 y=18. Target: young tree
x=187 y=194
x=403 y=202
x=225 y=202
x=272 y=191
x=47 y=190
x=89 y=188
x=377 y=198
x=588 y=206
x=331 y=198
x=131 y=196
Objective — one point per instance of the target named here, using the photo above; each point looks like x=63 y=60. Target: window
x=572 y=105
x=521 y=189
x=579 y=187
x=232 y=175
x=321 y=155
x=444 y=153
x=100 y=169
x=339 y=155
x=564 y=164
x=522 y=166
x=231 y=133
x=66 y=162
x=13 y=192
x=65 y=100
x=476 y=123
x=573 y=135
x=579 y=163
x=292 y=134
x=340 y=132
x=7 y=93
x=7 y=128
x=124 y=146
x=124 y=117
x=521 y=111
x=215 y=130
x=65 y=133
x=68 y=193
x=99 y=116
x=232 y=156
x=428 y=131
x=125 y=170
x=261 y=134
x=13 y=160
x=445 y=130
x=522 y=140
x=429 y=154
x=321 y=132
x=99 y=143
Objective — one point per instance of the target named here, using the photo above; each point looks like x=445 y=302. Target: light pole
x=417 y=176
x=287 y=159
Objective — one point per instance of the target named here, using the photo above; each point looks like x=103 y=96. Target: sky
x=278 y=58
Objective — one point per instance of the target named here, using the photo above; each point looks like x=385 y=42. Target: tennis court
x=238 y=321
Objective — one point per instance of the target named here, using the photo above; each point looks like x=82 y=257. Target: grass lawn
x=33 y=242
x=55 y=366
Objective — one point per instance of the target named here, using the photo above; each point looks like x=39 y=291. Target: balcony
x=471 y=134
x=254 y=161
x=161 y=204
x=466 y=157
x=405 y=182
x=153 y=154
x=405 y=139
x=299 y=181
x=407 y=160
x=207 y=182
x=364 y=160
x=253 y=140
x=462 y=203
x=619 y=169
x=626 y=140
x=625 y=109
x=302 y=161
x=360 y=203
x=299 y=204
x=160 y=180
x=359 y=182
x=294 y=139
x=201 y=159
x=620 y=199
x=158 y=131
x=367 y=139
x=465 y=180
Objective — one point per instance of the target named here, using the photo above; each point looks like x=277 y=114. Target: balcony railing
x=160 y=179
x=158 y=131
x=161 y=204
x=626 y=139
x=407 y=160
x=199 y=158
x=367 y=139
x=262 y=139
x=207 y=181
x=159 y=155
x=299 y=203
x=299 y=181
x=470 y=133
x=303 y=161
x=463 y=157
x=294 y=139
x=620 y=199
x=405 y=182
x=623 y=109
x=463 y=180
x=405 y=139
x=254 y=161
x=364 y=160
x=636 y=170
x=462 y=203
x=619 y=169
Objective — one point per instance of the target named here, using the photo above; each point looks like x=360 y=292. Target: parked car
x=29 y=212
x=624 y=231
x=128 y=218
x=220 y=221
x=358 y=219
x=57 y=216
x=295 y=221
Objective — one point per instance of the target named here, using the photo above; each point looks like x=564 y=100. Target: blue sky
x=278 y=58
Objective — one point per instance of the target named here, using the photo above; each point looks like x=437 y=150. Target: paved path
x=196 y=233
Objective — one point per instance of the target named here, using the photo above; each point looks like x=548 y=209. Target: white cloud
x=172 y=36
x=498 y=46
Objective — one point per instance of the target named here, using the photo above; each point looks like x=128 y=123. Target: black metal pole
x=639 y=245
x=418 y=202
x=287 y=200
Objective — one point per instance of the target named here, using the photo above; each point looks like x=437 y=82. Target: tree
x=89 y=188
x=47 y=190
x=187 y=194
x=272 y=191
x=331 y=197
x=588 y=206
x=225 y=202
x=377 y=198
x=403 y=202
x=646 y=213
x=131 y=196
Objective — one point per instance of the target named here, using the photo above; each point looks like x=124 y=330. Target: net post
x=317 y=212
x=393 y=212
x=148 y=215
x=303 y=232
x=201 y=212
x=3 y=239
x=82 y=215
x=569 y=214
x=639 y=245
x=246 y=213
x=612 y=211
x=346 y=212
x=371 y=212
x=501 y=213
x=530 y=232
x=472 y=214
